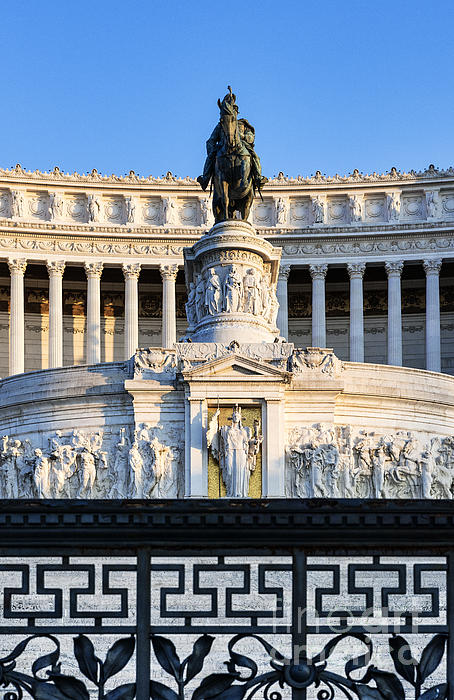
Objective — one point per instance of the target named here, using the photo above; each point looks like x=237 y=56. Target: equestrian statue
x=232 y=165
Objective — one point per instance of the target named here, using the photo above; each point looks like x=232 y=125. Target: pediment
x=236 y=367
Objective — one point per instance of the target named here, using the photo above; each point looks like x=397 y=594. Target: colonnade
x=131 y=272
x=356 y=273
x=93 y=271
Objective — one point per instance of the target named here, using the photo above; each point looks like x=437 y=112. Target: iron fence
x=226 y=599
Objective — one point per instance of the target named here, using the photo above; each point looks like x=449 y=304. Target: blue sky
x=331 y=85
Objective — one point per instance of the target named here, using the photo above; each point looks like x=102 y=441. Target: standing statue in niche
x=94 y=208
x=281 y=212
x=318 y=210
x=130 y=210
x=213 y=293
x=252 y=303
x=393 y=201
x=235 y=448
x=356 y=210
x=169 y=212
x=233 y=291
x=232 y=164
x=56 y=206
x=200 y=297
x=205 y=212
x=17 y=204
x=431 y=205
x=266 y=291
x=190 y=306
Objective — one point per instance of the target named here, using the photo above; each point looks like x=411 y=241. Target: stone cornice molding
x=93 y=269
x=131 y=270
x=168 y=272
x=356 y=270
x=342 y=246
x=55 y=268
x=394 y=268
x=17 y=266
x=318 y=272
x=94 y=177
x=432 y=266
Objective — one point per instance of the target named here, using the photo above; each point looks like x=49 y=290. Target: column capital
x=17 y=265
x=432 y=267
x=318 y=272
x=356 y=270
x=131 y=270
x=394 y=267
x=168 y=272
x=93 y=269
x=55 y=268
x=284 y=272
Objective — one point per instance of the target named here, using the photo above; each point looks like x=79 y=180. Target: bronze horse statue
x=233 y=180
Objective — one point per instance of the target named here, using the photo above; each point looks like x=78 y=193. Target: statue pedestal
x=231 y=276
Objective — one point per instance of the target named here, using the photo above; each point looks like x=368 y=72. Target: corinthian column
x=318 y=274
x=131 y=274
x=394 y=271
x=433 y=345
x=93 y=271
x=169 y=320
x=282 y=297
x=55 y=268
x=17 y=267
x=356 y=272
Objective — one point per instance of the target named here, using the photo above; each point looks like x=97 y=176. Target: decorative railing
x=226 y=599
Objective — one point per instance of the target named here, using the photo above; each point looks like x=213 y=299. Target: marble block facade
x=249 y=375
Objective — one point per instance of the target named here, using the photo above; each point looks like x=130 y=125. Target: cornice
x=56 y=176
x=275 y=525
x=71 y=242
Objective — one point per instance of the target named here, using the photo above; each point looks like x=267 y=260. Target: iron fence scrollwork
x=205 y=620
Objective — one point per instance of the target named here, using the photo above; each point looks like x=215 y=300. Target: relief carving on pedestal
x=336 y=462
x=232 y=289
x=145 y=464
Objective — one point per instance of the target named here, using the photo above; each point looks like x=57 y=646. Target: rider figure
x=247 y=135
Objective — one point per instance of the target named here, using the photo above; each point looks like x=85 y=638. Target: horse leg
x=225 y=200
x=246 y=204
x=216 y=206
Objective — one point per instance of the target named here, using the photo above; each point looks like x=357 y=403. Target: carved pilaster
x=356 y=270
x=394 y=270
x=169 y=324
x=318 y=272
x=432 y=267
x=284 y=272
x=394 y=267
x=168 y=272
x=282 y=298
x=93 y=269
x=17 y=266
x=131 y=270
x=55 y=267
